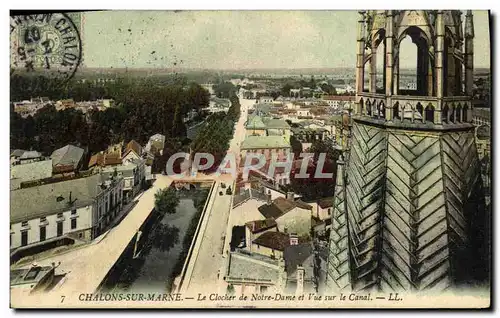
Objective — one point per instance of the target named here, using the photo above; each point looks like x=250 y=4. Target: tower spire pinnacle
x=469 y=25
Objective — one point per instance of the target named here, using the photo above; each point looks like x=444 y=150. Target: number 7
x=62 y=298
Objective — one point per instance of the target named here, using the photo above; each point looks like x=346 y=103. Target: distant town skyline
x=237 y=40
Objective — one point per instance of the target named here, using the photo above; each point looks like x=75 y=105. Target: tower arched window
x=429 y=113
x=452 y=114
x=444 y=114
x=458 y=114
x=396 y=111
x=464 y=113
x=368 y=108
x=382 y=110
x=419 y=115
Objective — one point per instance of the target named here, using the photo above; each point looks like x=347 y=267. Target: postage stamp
x=46 y=44
x=250 y=159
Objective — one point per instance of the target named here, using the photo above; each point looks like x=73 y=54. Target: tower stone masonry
x=409 y=208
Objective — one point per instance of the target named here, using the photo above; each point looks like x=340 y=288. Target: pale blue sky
x=234 y=39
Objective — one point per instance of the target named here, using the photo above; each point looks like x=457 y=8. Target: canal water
x=164 y=249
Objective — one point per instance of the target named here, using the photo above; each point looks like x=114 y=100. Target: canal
x=164 y=244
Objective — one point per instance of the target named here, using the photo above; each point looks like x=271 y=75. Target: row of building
x=62 y=197
x=272 y=249
x=30 y=107
x=275 y=245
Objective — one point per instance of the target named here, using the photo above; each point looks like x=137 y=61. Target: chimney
x=294 y=239
x=253 y=226
x=269 y=201
x=290 y=195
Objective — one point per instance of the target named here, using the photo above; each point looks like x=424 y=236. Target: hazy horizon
x=231 y=40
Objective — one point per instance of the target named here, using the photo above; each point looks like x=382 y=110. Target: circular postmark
x=45 y=44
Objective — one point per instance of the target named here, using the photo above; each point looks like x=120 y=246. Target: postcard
x=250 y=159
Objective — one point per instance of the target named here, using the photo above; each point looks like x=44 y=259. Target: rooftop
x=258 y=226
x=276 y=124
x=47 y=199
x=32 y=171
x=281 y=206
x=264 y=142
x=255 y=122
x=32 y=154
x=133 y=145
x=325 y=202
x=68 y=155
x=275 y=240
x=108 y=159
x=17 y=153
x=252 y=268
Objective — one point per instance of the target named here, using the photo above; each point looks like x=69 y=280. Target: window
x=59 y=215
x=73 y=212
x=329 y=211
x=43 y=233
x=60 y=228
x=73 y=224
x=24 y=238
x=263 y=289
x=25 y=223
x=43 y=219
x=80 y=235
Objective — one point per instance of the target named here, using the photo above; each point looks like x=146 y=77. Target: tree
x=329 y=89
x=312 y=188
x=285 y=90
x=224 y=89
x=166 y=200
x=312 y=82
x=163 y=237
x=296 y=146
x=178 y=127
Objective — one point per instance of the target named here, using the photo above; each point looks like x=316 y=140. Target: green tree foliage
x=178 y=127
x=285 y=90
x=215 y=136
x=314 y=188
x=163 y=237
x=296 y=146
x=166 y=200
x=329 y=89
x=144 y=108
x=224 y=89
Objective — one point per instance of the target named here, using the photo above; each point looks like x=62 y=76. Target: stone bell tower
x=409 y=208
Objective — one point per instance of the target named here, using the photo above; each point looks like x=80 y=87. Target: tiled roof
x=281 y=206
x=276 y=124
x=264 y=142
x=326 y=202
x=255 y=122
x=103 y=160
x=17 y=152
x=339 y=97
x=275 y=240
x=252 y=268
x=135 y=146
x=258 y=226
x=43 y=200
x=68 y=155
x=30 y=155
x=32 y=171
